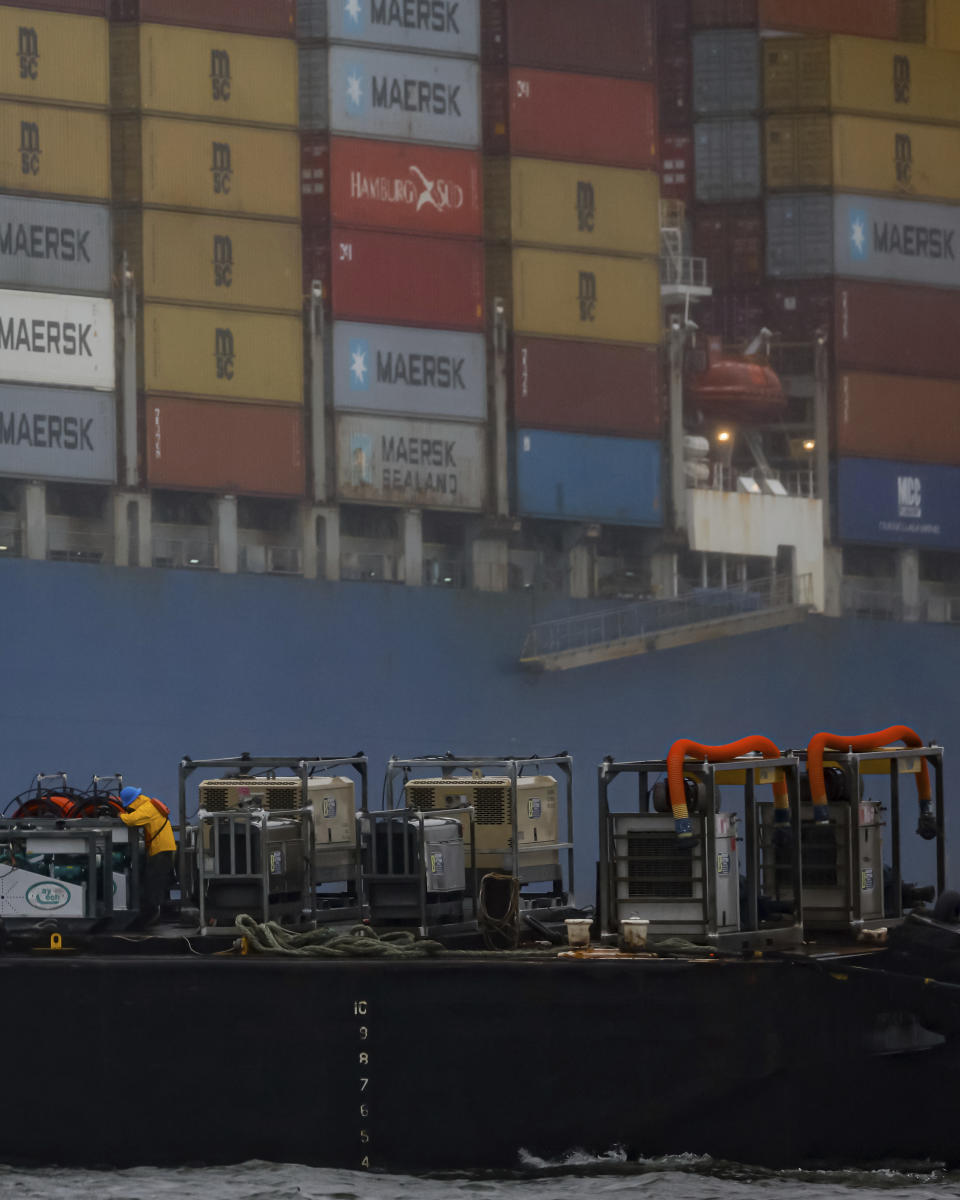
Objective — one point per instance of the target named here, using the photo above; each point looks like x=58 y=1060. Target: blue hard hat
x=129 y=794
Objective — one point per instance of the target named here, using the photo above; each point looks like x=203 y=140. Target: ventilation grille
x=654 y=868
x=819 y=844
x=490 y=797
x=219 y=795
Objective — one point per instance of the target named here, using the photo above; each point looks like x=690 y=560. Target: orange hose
x=687 y=749
x=864 y=741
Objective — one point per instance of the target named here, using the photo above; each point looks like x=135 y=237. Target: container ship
x=485 y=377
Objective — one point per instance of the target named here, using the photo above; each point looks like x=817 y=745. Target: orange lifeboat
x=737 y=389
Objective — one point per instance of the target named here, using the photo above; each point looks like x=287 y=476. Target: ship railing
x=273 y=560
x=66 y=543
x=683 y=270
x=799 y=483
x=196 y=553
x=653 y=616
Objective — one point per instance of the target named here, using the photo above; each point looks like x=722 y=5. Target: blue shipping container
x=895 y=503
x=567 y=475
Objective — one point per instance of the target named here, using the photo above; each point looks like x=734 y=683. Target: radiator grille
x=216 y=796
x=655 y=869
x=490 y=799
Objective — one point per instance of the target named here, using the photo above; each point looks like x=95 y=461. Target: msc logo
x=903 y=158
x=586 y=207
x=909 y=496
x=220 y=74
x=587 y=296
x=224 y=353
x=29 y=148
x=859 y=240
x=28 y=52
x=221 y=168
x=901 y=79
x=359 y=365
x=222 y=261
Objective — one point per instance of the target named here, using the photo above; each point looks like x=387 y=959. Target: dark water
x=576 y=1178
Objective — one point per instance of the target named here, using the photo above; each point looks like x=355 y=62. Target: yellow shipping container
x=221 y=168
x=227 y=261
x=864 y=154
x=55 y=151
x=222 y=353
x=57 y=58
x=582 y=206
x=203 y=73
x=861 y=75
x=943 y=25
x=588 y=296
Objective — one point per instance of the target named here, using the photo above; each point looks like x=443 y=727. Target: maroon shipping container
x=586 y=387
x=874 y=326
x=493 y=32
x=404 y=279
x=604 y=37
x=269 y=18
x=736 y=317
x=208 y=445
x=675 y=67
x=862 y=18
x=376 y=184
x=87 y=8
x=898 y=417
x=583 y=118
x=673 y=21
x=676 y=166
x=718 y=14
x=730 y=238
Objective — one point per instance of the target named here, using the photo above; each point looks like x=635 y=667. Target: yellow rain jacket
x=159 y=833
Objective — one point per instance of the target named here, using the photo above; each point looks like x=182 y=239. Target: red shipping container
x=583 y=118
x=410 y=188
x=897 y=417
x=208 y=445
x=269 y=18
x=586 y=387
x=406 y=280
x=862 y=18
x=730 y=238
x=874 y=326
x=673 y=21
x=673 y=85
x=604 y=37
x=717 y=14
x=676 y=167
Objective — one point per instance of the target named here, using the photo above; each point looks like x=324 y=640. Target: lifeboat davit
x=738 y=389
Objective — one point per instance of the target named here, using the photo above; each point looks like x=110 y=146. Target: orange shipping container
x=901 y=417
x=204 y=445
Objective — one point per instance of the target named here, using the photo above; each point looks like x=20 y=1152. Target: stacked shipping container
x=572 y=243
x=57 y=403
x=205 y=181
x=392 y=208
x=876 y=125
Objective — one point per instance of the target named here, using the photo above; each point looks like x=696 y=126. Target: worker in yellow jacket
x=161 y=848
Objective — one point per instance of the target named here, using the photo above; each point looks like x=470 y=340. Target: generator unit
x=491 y=797
x=414 y=868
x=331 y=800
x=690 y=891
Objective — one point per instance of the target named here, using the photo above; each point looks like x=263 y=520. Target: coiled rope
x=359 y=941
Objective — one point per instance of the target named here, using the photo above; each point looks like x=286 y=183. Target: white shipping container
x=398 y=369
x=379 y=93
x=47 y=337
x=440 y=26
x=58 y=433
x=428 y=464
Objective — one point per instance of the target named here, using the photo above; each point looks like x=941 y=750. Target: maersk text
x=46 y=337
x=44 y=241
x=439 y=16
x=421 y=370
x=416 y=96
x=45 y=431
x=913 y=241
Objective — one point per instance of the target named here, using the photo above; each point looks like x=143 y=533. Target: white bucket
x=578 y=931
x=633 y=933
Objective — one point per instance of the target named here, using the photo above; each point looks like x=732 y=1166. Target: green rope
x=358 y=941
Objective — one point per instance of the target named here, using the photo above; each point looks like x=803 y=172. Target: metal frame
x=850 y=763
x=92 y=836
x=302 y=767
x=712 y=775
x=512 y=767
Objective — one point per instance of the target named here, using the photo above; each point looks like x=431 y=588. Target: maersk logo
x=359 y=365
x=437 y=16
x=859 y=241
x=353 y=11
x=355 y=94
x=909 y=497
x=416 y=96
